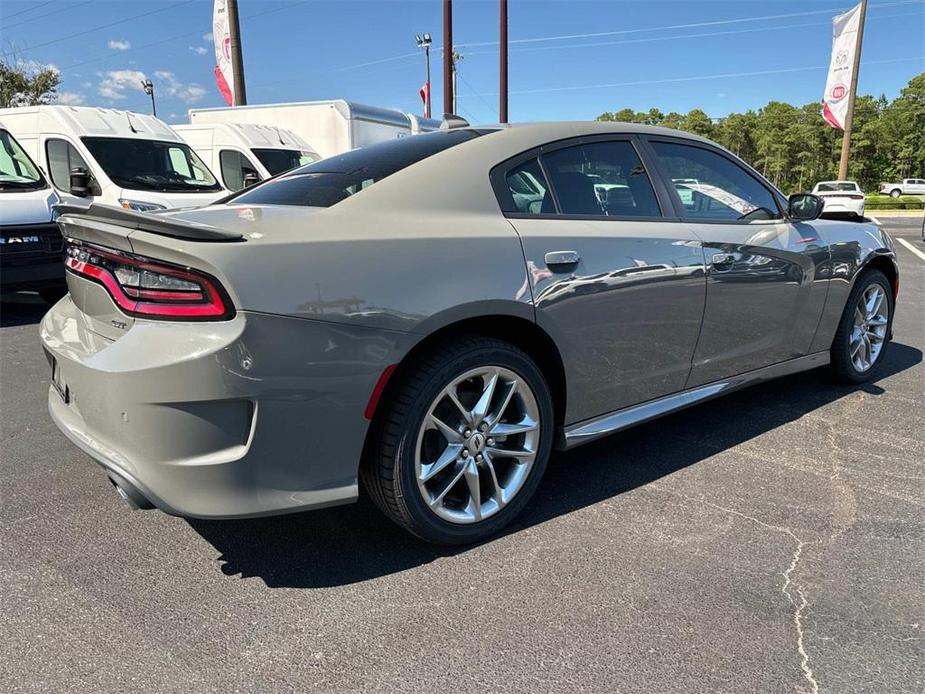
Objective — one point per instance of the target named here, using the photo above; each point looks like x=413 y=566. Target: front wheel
x=463 y=443
x=864 y=331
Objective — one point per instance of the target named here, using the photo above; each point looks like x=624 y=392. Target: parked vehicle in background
x=329 y=127
x=841 y=197
x=243 y=154
x=909 y=186
x=420 y=125
x=30 y=241
x=405 y=316
x=120 y=158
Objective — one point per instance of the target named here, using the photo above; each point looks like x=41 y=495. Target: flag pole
x=852 y=93
x=502 y=105
x=237 y=60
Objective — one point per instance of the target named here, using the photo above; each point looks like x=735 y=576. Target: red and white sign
x=844 y=44
x=221 y=37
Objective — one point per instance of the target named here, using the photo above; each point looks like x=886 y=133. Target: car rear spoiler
x=146 y=221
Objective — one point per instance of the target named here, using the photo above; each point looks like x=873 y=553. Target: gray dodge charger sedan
x=429 y=318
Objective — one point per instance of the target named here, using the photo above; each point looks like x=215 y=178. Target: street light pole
x=449 y=100
x=502 y=106
x=148 y=86
x=457 y=56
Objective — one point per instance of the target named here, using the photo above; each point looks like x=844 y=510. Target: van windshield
x=17 y=172
x=151 y=165
x=278 y=161
x=329 y=181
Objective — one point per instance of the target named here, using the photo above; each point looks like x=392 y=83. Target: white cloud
x=207 y=37
x=119 y=44
x=70 y=98
x=33 y=66
x=199 y=50
x=115 y=82
x=169 y=84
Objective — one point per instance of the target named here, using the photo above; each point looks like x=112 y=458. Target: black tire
x=388 y=474
x=52 y=295
x=841 y=367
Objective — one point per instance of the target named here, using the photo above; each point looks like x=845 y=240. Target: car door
x=618 y=284
x=766 y=276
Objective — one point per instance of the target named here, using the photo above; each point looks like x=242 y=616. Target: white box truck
x=114 y=157
x=244 y=153
x=329 y=127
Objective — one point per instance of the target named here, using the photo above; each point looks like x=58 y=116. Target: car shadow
x=21 y=308
x=349 y=544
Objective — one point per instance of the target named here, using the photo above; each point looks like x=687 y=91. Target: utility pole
x=449 y=98
x=424 y=41
x=852 y=93
x=457 y=56
x=148 y=86
x=237 y=60
x=502 y=105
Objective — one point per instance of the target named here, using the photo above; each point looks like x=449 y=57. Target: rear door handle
x=562 y=258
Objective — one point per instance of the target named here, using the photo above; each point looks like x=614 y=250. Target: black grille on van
x=24 y=244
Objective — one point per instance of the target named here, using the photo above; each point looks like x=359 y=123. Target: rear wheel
x=895 y=193
x=862 y=336
x=463 y=443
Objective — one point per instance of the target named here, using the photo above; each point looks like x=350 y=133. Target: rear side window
x=529 y=189
x=62 y=157
x=329 y=181
x=602 y=179
x=713 y=187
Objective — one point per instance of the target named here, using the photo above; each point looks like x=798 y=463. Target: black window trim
x=498 y=178
x=680 y=211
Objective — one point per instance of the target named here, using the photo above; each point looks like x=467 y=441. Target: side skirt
x=591 y=429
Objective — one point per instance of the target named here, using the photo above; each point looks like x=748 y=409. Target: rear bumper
x=254 y=416
x=840 y=205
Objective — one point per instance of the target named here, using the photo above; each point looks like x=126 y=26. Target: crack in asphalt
x=805 y=667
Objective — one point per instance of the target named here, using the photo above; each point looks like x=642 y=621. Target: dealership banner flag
x=221 y=36
x=844 y=44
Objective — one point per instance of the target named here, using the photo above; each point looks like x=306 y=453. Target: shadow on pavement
x=355 y=543
x=21 y=308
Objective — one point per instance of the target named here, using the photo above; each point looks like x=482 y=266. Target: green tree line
x=794 y=147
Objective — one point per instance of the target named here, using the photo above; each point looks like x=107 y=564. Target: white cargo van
x=244 y=153
x=115 y=157
x=419 y=124
x=30 y=242
x=330 y=127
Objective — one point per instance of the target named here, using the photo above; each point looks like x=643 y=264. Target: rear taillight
x=144 y=287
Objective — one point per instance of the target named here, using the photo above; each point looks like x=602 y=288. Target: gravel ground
x=770 y=541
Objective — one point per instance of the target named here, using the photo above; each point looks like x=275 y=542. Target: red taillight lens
x=144 y=287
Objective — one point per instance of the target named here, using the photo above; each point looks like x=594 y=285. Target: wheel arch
x=885 y=262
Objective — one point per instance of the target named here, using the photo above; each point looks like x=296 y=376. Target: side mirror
x=80 y=182
x=803 y=207
x=251 y=178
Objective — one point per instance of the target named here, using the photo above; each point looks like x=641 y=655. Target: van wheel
x=863 y=334
x=463 y=442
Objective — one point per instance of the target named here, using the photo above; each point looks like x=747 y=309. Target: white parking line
x=912 y=248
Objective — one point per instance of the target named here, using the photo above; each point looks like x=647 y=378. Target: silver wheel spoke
x=855 y=346
x=449 y=433
x=499 y=413
x=448 y=456
x=875 y=298
x=874 y=337
x=458 y=476
x=511 y=428
x=498 y=493
x=471 y=472
x=506 y=453
x=466 y=415
x=481 y=407
x=876 y=321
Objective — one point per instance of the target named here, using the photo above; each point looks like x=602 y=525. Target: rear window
x=325 y=183
x=832 y=187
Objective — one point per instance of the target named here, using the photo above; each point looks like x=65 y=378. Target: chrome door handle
x=561 y=258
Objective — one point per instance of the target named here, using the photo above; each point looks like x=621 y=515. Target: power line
x=28 y=9
x=45 y=14
x=102 y=26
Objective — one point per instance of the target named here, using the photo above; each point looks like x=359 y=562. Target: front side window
x=62 y=158
x=278 y=161
x=234 y=167
x=329 y=181
x=151 y=165
x=17 y=172
x=604 y=179
x=713 y=187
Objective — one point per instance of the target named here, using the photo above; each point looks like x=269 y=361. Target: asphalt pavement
x=770 y=541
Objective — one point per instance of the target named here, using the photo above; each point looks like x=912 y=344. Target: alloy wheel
x=477 y=444
x=870 y=326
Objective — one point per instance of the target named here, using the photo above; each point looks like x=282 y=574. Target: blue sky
x=568 y=60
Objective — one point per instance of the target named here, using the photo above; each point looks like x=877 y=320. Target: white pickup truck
x=909 y=186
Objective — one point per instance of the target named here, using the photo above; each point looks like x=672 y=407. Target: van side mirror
x=251 y=178
x=80 y=182
x=803 y=207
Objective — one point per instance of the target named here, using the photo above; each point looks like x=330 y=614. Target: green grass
x=875 y=201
